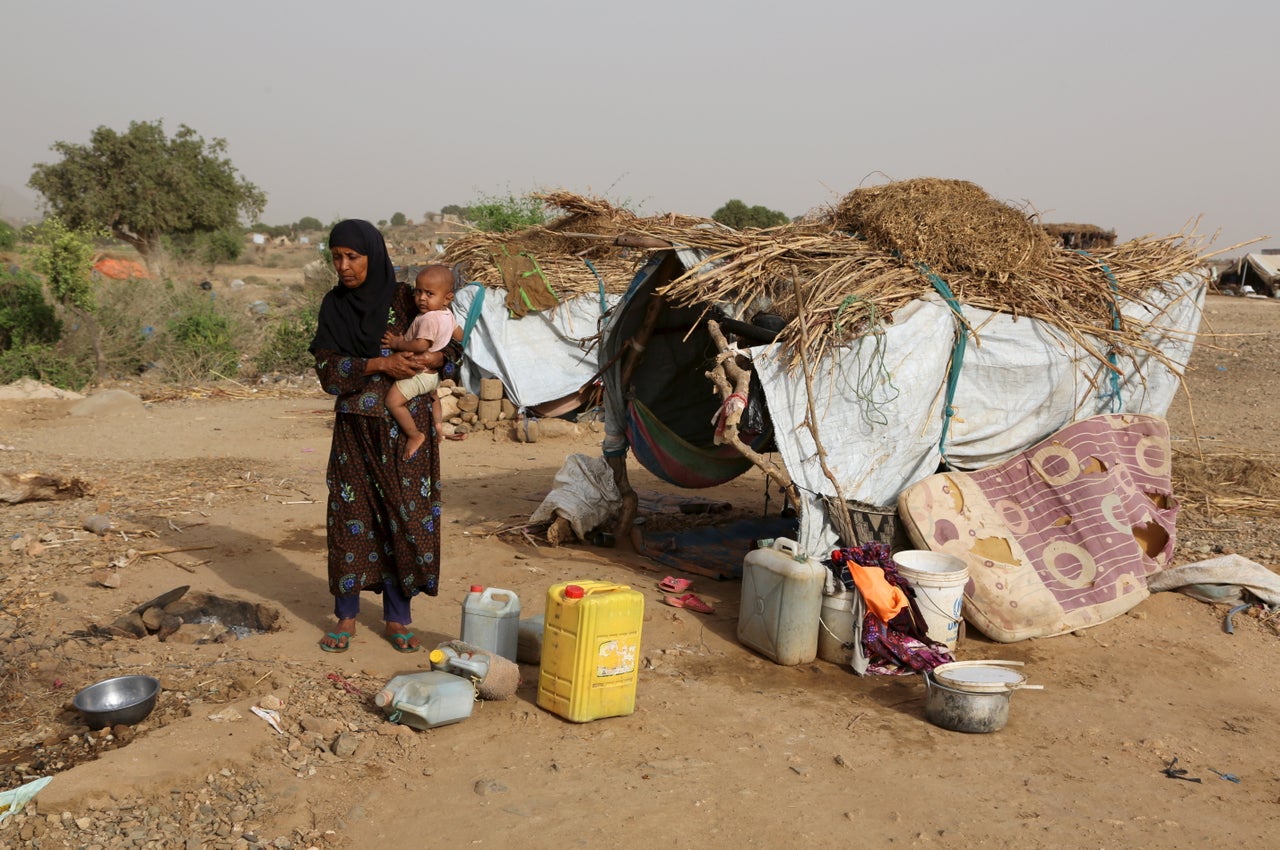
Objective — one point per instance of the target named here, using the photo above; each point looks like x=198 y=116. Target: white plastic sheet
x=879 y=406
x=539 y=357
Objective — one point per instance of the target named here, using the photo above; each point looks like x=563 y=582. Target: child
x=430 y=331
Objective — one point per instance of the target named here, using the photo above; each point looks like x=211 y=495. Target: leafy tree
x=64 y=255
x=497 y=214
x=309 y=223
x=738 y=215
x=397 y=219
x=140 y=184
x=454 y=209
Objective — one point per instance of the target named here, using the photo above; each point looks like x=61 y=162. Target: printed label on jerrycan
x=617 y=657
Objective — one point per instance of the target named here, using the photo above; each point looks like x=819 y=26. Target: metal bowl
x=122 y=701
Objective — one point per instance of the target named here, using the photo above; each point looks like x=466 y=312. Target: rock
x=107 y=403
x=152 y=618
x=98 y=524
x=169 y=624
x=108 y=578
x=490 y=389
x=194 y=633
x=484 y=787
x=130 y=625
x=345 y=745
x=469 y=403
x=325 y=727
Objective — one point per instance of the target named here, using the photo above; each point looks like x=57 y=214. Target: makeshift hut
x=914 y=326
x=921 y=325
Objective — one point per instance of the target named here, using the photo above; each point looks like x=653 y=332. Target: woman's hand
x=399 y=366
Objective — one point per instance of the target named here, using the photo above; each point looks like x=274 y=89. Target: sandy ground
x=725 y=748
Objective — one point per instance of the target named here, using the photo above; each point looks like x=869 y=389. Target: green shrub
x=8 y=236
x=223 y=246
x=284 y=348
x=199 y=341
x=498 y=214
x=45 y=363
x=25 y=316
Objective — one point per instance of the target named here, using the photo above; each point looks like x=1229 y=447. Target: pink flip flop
x=671 y=584
x=690 y=601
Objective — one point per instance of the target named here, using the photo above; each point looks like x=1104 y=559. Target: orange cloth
x=883 y=599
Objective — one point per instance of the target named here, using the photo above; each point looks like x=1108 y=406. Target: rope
x=1115 y=399
x=473 y=313
x=957 y=353
x=604 y=307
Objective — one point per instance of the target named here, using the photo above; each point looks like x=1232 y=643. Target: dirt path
x=725 y=749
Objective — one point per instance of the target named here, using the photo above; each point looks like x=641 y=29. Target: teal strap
x=957 y=353
x=473 y=314
x=1115 y=402
x=604 y=307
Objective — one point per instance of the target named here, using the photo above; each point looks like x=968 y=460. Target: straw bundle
x=566 y=249
x=951 y=225
x=851 y=286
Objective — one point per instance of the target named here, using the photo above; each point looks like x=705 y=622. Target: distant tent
x=118 y=269
x=1262 y=272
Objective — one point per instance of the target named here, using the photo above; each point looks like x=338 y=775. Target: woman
x=383 y=511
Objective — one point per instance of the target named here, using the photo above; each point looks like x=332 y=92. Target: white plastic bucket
x=939 y=581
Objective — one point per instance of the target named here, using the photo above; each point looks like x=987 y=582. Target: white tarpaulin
x=539 y=357
x=880 y=406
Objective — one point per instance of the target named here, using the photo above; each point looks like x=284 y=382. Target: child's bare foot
x=412 y=445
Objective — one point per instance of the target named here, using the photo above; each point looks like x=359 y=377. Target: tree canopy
x=141 y=185
x=738 y=215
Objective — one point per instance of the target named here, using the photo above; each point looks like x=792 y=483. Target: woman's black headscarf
x=352 y=321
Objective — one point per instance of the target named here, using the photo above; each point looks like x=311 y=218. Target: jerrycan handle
x=792 y=548
x=490 y=593
x=579 y=591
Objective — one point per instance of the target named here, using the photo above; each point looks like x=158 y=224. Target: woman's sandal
x=344 y=637
x=690 y=601
x=671 y=584
x=403 y=637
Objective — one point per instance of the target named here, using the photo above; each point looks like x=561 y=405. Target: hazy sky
x=1138 y=116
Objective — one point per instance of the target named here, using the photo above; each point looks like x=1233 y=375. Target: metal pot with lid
x=972 y=696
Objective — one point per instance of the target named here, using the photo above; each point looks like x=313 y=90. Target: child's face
x=432 y=294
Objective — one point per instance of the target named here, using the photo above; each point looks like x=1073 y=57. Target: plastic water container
x=491 y=620
x=427 y=699
x=464 y=664
x=529 y=641
x=939 y=580
x=837 y=627
x=781 y=603
x=590 y=650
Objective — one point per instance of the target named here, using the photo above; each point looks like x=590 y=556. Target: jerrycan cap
x=477 y=588
x=574 y=591
x=437 y=656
